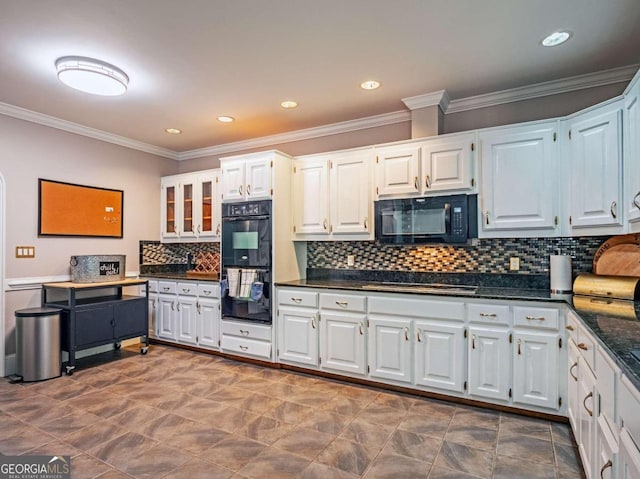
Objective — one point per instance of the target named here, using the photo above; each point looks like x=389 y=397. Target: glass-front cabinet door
x=209 y=205
x=169 y=219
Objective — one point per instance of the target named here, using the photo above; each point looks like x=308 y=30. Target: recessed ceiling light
x=173 y=131
x=226 y=119
x=288 y=104
x=92 y=76
x=370 y=85
x=556 y=38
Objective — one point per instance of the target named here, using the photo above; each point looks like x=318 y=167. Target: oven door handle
x=245 y=218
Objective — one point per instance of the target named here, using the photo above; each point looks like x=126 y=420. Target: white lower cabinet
x=628 y=457
x=342 y=342
x=187 y=313
x=586 y=422
x=535 y=366
x=573 y=402
x=489 y=362
x=606 y=452
x=298 y=335
x=440 y=354
x=245 y=338
x=390 y=349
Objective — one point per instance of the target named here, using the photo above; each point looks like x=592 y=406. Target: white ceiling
x=190 y=61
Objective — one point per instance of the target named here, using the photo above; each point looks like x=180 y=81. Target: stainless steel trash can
x=38 y=343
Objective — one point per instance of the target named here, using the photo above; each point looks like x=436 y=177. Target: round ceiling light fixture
x=173 y=131
x=92 y=76
x=370 y=85
x=226 y=119
x=288 y=104
x=556 y=38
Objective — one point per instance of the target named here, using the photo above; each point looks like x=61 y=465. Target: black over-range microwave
x=434 y=219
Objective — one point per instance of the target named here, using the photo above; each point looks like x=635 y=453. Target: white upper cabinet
x=518 y=180
x=631 y=166
x=398 y=170
x=448 y=164
x=332 y=196
x=311 y=196
x=595 y=160
x=247 y=178
x=191 y=207
x=426 y=167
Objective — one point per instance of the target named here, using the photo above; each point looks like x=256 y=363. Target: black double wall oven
x=246 y=261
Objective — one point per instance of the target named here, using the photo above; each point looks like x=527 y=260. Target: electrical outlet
x=351 y=260
x=514 y=263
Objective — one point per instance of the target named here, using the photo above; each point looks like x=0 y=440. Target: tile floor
x=176 y=414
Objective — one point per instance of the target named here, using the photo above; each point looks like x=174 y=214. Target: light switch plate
x=25 y=251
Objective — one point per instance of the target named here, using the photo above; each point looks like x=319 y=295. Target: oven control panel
x=247 y=208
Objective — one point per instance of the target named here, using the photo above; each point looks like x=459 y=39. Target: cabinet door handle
x=473 y=341
x=342 y=304
x=324 y=224
x=574 y=365
x=606 y=466
x=178 y=306
x=584 y=403
x=406 y=334
x=173 y=305
x=244 y=348
x=418 y=337
x=240 y=190
x=206 y=292
x=198 y=229
x=244 y=332
x=198 y=307
x=360 y=328
x=428 y=182
x=488 y=315
x=519 y=351
x=185 y=290
x=296 y=300
x=486 y=216
x=583 y=347
x=614 y=207
x=570 y=328
x=218 y=229
x=635 y=200
x=313 y=322
x=365 y=223
x=248 y=190
x=166 y=288
x=533 y=318
x=415 y=182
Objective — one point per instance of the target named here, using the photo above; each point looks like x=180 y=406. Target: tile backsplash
x=483 y=256
x=156 y=253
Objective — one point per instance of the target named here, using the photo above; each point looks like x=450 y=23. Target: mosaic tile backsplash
x=156 y=253
x=484 y=256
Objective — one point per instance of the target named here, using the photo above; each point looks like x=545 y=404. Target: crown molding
x=53 y=122
x=554 y=87
x=298 y=135
x=440 y=98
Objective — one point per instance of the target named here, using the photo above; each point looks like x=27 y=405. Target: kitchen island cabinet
x=95 y=314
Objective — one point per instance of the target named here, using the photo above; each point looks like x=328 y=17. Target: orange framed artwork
x=66 y=209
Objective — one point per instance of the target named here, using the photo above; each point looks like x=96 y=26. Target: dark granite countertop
x=616 y=333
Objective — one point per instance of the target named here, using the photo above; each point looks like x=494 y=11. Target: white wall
x=29 y=151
